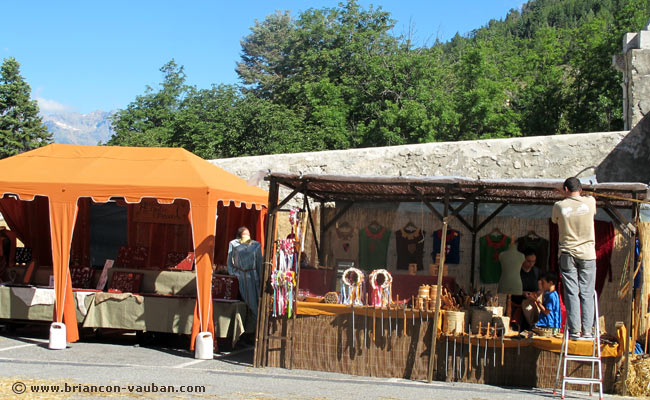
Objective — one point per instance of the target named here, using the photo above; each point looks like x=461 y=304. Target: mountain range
x=77 y=128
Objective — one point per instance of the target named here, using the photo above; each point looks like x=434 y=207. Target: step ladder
x=594 y=359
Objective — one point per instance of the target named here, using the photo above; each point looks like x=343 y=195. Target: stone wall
x=557 y=156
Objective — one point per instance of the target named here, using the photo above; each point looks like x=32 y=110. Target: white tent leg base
x=57 y=336
x=204 y=348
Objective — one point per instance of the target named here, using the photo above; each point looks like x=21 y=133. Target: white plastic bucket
x=57 y=336
x=204 y=346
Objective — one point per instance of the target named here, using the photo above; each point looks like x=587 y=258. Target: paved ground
x=135 y=366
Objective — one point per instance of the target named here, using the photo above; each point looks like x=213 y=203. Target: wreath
x=386 y=282
x=353 y=277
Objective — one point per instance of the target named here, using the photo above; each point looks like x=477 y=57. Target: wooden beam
x=626 y=226
x=313 y=227
x=491 y=217
x=288 y=198
x=426 y=202
x=338 y=215
x=474 y=231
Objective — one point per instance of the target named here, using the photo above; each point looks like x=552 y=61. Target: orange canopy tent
x=65 y=173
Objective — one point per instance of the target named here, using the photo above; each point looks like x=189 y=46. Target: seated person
x=550 y=315
x=529 y=276
x=529 y=307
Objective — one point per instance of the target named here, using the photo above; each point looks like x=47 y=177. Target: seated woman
x=529 y=274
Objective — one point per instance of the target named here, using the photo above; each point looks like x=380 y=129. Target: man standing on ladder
x=575 y=219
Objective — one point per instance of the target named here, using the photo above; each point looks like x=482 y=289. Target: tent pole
x=263 y=310
x=434 y=329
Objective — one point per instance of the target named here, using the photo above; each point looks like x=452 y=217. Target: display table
x=37 y=304
x=162 y=314
x=323 y=342
x=176 y=283
x=124 y=311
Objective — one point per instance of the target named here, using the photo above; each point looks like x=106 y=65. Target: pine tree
x=21 y=128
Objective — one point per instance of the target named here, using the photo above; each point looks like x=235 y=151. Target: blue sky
x=87 y=55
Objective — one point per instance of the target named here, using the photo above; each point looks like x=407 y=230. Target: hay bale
x=637 y=383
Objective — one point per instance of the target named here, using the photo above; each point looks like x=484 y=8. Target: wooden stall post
x=626 y=350
x=474 y=233
x=265 y=296
x=443 y=245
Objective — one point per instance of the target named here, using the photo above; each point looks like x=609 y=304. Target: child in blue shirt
x=550 y=315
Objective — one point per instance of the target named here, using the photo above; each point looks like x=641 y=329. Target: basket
x=543 y=331
x=496 y=311
x=480 y=316
x=454 y=322
x=501 y=323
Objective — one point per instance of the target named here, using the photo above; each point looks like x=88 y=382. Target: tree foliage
x=336 y=78
x=21 y=128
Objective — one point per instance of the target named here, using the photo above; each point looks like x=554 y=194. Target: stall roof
x=403 y=188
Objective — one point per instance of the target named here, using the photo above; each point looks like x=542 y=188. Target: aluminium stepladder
x=594 y=359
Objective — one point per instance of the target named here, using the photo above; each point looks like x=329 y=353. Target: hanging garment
x=490 y=247
x=605 y=235
x=510 y=281
x=539 y=245
x=245 y=262
x=344 y=243
x=452 y=246
x=410 y=247
x=373 y=247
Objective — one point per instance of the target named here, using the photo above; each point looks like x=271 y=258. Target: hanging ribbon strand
x=286 y=268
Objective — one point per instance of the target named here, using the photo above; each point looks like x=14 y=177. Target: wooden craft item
x=433 y=269
x=424 y=291
x=125 y=282
x=225 y=287
x=413 y=269
x=180 y=261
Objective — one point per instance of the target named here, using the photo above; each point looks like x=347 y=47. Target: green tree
x=263 y=64
x=21 y=128
x=149 y=120
x=542 y=101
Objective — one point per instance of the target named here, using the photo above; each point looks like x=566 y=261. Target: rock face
x=557 y=156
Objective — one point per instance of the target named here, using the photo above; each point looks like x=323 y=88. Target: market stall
x=66 y=176
x=458 y=228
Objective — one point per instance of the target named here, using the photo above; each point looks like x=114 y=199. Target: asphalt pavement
x=125 y=365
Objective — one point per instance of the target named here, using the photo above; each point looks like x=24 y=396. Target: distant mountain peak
x=76 y=128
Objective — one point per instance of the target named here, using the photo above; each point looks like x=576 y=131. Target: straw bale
x=638 y=379
x=644 y=235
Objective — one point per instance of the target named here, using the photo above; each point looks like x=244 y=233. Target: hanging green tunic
x=373 y=247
